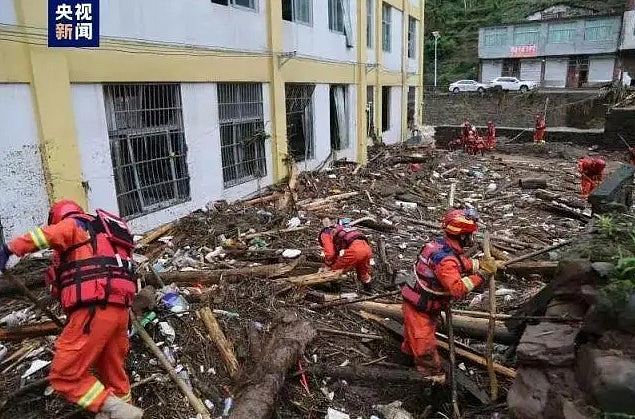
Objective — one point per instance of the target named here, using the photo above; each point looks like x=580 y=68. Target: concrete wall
x=531 y=70
x=24 y=202
x=577 y=110
x=393 y=135
x=577 y=46
x=491 y=69
x=208 y=24
x=392 y=59
x=318 y=40
x=601 y=69
x=556 y=72
x=200 y=118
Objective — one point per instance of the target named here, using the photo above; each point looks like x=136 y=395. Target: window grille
x=526 y=35
x=242 y=132
x=297 y=11
x=250 y=4
x=412 y=37
x=561 y=32
x=336 y=16
x=370 y=23
x=598 y=30
x=148 y=148
x=299 y=101
x=385 y=108
x=496 y=38
x=386 y=22
x=412 y=101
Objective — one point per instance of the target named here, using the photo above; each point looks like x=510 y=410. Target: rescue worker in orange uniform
x=490 y=141
x=346 y=248
x=92 y=276
x=442 y=273
x=541 y=128
x=592 y=173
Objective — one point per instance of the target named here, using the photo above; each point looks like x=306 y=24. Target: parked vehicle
x=468 y=86
x=512 y=83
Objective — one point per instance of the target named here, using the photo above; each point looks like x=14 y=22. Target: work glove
x=115 y=408
x=488 y=266
x=5 y=254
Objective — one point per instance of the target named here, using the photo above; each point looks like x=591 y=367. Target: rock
x=559 y=307
x=608 y=377
x=615 y=193
x=547 y=344
x=393 y=411
x=603 y=269
x=291 y=253
x=527 y=397
x=570 y=411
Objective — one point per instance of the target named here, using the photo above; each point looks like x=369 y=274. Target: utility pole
x=436 y=35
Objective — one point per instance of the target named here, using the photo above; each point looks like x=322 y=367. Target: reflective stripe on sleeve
x=39 y=238
x=468 y=283
x=475 y=265
x=91 y=395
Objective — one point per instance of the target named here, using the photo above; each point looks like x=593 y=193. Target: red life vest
x=416 y=292
x=342 y=237
x=106 y=277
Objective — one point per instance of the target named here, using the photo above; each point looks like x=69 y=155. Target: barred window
x=386 y=23
x=495 y=37
x=412 y=37
x=598 y=30
x=298 y=11
x=241 y=132
x=526 y=35
x=561 y=32
x=336 y=16
x=299 y=101
x=147 y=144
x=370 y=23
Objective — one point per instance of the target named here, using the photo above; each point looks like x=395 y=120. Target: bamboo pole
x=493 y=382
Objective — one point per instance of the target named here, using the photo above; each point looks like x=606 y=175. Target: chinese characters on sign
x=523 y=51
x=73 y=23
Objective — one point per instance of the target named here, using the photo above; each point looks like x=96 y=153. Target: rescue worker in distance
x=92 y=276
x=442 y=273
x=346 y=248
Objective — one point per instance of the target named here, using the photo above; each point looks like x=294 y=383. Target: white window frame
x=412 y=38
x=334 y=6
x=294 y=15
x=386 y=27
x=253 y=7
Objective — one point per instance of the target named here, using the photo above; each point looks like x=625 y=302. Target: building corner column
x=362 y=83
x=404 y=69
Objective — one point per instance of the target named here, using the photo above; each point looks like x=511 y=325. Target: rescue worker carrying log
x=592 y=173
x=346 y=248
x=92 y=276
x=442 y=273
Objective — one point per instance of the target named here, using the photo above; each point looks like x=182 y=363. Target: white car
x=468 y=86
x=512 y=83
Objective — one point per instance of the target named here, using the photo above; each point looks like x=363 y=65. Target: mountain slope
x=458 y=22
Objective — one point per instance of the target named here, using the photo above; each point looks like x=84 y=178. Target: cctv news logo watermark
x=73 y=23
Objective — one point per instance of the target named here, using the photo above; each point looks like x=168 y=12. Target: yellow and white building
x=191 y=101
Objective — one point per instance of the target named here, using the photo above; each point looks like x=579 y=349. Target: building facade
x=193 y=101
x=559 y=47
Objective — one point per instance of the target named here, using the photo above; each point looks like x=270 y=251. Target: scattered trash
x=229 y=314
x=406 y=205
x=295 y=222
x=330 y=395
x=16 y=318
x=167 y=331
x=173 y=300
x=209 y=404
x=36 y=365
x=291 y=253
x=228 y=404
x=335 y=414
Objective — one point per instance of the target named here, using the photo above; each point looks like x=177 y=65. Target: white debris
x=406 y=205
x=335 y=414
x=167 y=331
x=295 y=222
x=504 y=291
x=393 y=411
x=36 y=365
x=328 y=394
x=291 y=253
x=16 y=318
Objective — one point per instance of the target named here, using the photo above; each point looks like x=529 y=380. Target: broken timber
x=374 y=374
x=280 y=354
x=225 y=347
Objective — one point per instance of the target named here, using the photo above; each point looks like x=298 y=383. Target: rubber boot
x=115 y=408
x=429 y=365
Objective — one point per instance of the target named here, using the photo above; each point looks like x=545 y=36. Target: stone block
x=547 y=344
x=615 y=193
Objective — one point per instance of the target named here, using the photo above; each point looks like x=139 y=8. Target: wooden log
x=29 y=331
x=372 y=375
x=532 y=183
x=333 y=198
x=274 y=232
x=344 y=301
x=279 y=355
x=155 y=234
x=536 y=253
x=347 y=333
x=493 y=382
x=263 y=199
x=564 y=210
x=468 y=326
x=225 y=347
x=386 y=267
x=230 y=275
x=290 y=196
x=544 y=268
x=514 y=242
x=33 y=298
x=194 y=401
x=373 y=224
x=397 y=329
x=312 y=279
x=255 y=342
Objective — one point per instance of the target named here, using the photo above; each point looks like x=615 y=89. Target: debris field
x=253 y=267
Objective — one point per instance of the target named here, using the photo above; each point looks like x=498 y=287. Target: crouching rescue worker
x=592 y=173
x=442 y=273
x=92 y=276
x=346 y=248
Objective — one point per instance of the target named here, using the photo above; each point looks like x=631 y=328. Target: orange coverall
x=420 y=327
x=103 y=348
x=357 y=256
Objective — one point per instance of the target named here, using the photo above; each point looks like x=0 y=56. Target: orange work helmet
x=460 y=222
x=62 y=209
